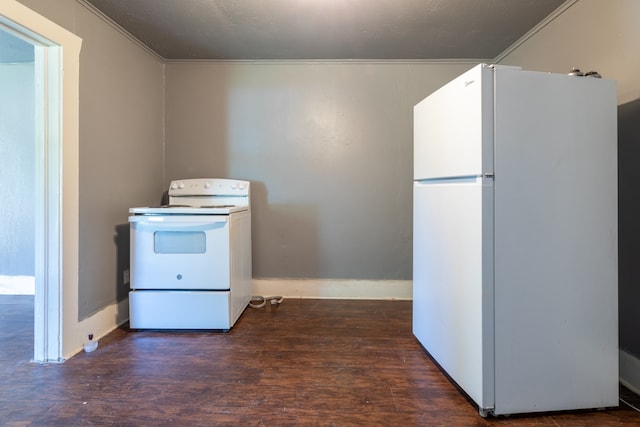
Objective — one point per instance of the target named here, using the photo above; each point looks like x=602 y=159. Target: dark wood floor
x=307 y=362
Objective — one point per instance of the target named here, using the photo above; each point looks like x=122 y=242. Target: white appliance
x=191 y=259
x=515 y=238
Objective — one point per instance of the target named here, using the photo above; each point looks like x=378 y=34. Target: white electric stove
x=191 y=259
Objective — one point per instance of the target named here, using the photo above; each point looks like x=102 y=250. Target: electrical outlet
x=126 y=277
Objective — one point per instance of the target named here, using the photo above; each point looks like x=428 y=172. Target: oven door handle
x=156 y=220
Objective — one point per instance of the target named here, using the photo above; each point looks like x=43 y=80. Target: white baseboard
x=100 y=324
x=109 y=318
x=630 y=371
x=334 y=288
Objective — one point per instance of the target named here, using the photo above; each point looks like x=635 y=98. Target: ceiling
x=327 y=29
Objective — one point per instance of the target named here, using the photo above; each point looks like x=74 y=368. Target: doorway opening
x=55 y=193
x=17 y=217
x=45 y=152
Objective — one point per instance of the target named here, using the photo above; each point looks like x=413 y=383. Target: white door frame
x=57 y=54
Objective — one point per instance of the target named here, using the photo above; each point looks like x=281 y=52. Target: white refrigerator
x=515 y=281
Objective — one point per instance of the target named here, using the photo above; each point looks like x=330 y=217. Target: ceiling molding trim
x=119 y=29
x=333 y=61
x=559 y=11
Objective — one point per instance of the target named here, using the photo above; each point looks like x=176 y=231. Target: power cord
x=258 y=301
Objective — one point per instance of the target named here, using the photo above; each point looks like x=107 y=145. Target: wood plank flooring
x=306 y=362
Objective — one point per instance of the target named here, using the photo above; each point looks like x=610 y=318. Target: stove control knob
x=174 y=185
x=242 y=186
x=207 y=184
x=181 y=185
x=234 y=185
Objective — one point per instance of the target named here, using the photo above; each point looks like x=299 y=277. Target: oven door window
x=179 y=242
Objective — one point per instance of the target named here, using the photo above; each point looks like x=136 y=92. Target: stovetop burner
x=188 y=210
x=195 y=207
x=201 y=196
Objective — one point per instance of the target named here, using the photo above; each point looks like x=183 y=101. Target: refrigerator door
x=556 y=244
x=453 y=128
x=453 y=280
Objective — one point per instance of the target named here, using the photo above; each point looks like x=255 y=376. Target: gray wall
x=17 y=169
x=121 y=146
x=328 y=147
x=604 y=36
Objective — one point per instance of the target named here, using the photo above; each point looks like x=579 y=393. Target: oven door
x=180 y=252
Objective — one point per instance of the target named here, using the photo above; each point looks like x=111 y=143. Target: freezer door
x=453 y=280
x=453 y=128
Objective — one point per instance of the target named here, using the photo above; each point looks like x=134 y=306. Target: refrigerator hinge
x=487 y=175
